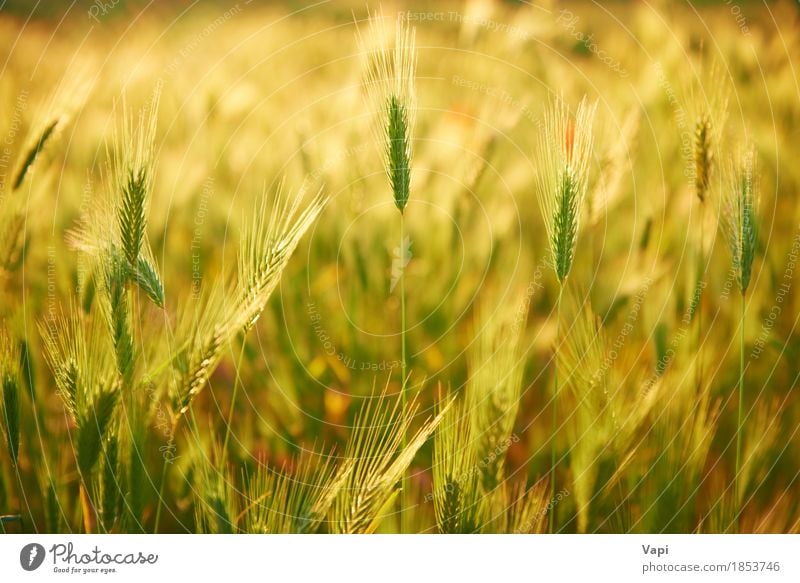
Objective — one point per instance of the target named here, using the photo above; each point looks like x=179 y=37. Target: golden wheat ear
x=205 y=327
x=380 y=455
x=709 y=113
x=278 y=224
x=69 y=97
x=528 y=509
x=274 y=232
x=296 y=501
x=457 y=497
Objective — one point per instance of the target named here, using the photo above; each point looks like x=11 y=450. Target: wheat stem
x=741 y=407
x=233 y=403
x=554 y=407
x=404 y=373
x=160 y=496
x=161 y=486
x=86 y=509
x=701 y=271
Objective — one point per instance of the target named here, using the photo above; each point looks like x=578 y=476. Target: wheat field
x=477 y=267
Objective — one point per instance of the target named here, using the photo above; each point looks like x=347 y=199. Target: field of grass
x=488 y=267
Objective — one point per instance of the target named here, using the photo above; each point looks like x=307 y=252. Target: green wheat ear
x=147 y=279
x=93 y=425
x=132 y=218
x=77 y=350
x=133 y=166
x=390 y=70
x=9 y=384
x=740 y=218
x=563 y=157
x=399 y=151
x=116 y=307
x=565 y=222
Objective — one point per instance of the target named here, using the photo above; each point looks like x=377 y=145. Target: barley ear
x=117 y=311
x=390 y=70
x=279 y=223
x=133 y=176
x=215 y=500
x=456 y=487
x=93 y=425
x=703 y=155
x=563 y=159
x=293 y=502
x=740 y=209
x=64 y=351
x=70 y=96
x=147 y=279
x=379 y=460
x=131 y=216
x=399 y=151
x=204 y=331
x=529 y=509
x=33 y=151
x=709 y=110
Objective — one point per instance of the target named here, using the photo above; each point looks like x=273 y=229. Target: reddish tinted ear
x=569 y=140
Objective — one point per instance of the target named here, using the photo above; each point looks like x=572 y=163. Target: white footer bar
x=385 y=558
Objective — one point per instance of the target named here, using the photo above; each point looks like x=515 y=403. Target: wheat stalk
x=710 y=115
x=496 y=364
x=740 y=225
x=563 y=158
x=109 y=487
x=389 y=79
